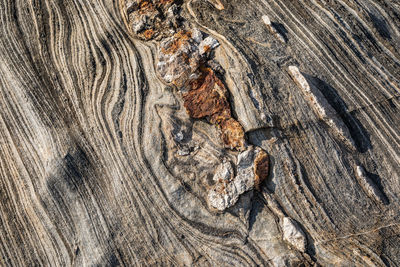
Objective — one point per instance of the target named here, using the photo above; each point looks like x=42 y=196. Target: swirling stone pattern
x=101 y=165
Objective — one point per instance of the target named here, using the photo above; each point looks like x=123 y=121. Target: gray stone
x=293 y=234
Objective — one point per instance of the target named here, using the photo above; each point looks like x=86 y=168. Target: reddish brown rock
x=180 y=38
x=261 y=168
x=180 y=56
x=207 y=97
x=149 y=19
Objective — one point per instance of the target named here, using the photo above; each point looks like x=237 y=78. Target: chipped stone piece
x=272 y=29
x=227 y=190
x=293 y=234
x=322 y=108
x=207 y=97
x=368 y=185
x=207 y=45
x=181 y=55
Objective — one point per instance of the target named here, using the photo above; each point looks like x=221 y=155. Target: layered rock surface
x=283 y=113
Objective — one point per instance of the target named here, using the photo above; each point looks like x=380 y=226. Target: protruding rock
x=181 y=55
x=293 y=234
x=227 y=189
x=322 y=108
x=272 y=29
x=369 y=186
x=145 y=17
x=207 y=45
x=207 y=97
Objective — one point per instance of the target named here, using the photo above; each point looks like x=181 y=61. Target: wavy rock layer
x=101 y=164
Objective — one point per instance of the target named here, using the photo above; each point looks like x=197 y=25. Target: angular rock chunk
x=293 y=234
x=272 y=29
x=322 y=108
x=152 y=18
x=181 y=55
x=227 y=189
x=207 y=97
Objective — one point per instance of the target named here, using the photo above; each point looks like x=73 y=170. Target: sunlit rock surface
x=199 y=133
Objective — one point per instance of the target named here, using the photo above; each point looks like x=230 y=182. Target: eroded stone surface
x=321 y=107
x=293 y=234
x=181 y=55
x=153 y=18
x=207 y=97
x=228 y=189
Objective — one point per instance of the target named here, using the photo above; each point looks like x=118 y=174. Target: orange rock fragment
x=208 y=98
x=261 y=168
x=146 y=6
x=206 y=48
x=148 y=34
x=179 y=39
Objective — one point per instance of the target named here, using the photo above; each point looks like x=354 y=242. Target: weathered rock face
x=293 y=234
x=153 y=18
x=181 y=55
x=251 y=170
x=207 y=97
x=199 y=133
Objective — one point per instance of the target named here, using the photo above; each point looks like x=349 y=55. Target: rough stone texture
x=293 y=234
x=251 y=170
x=179 y=56
x=207 y=97
x=321 y=107
x=151 y=19
x=91 y=136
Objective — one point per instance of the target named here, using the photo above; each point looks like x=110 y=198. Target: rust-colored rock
x=149 y=19
x=208 y=98
x=179 y=56
x=148 y=34
x=232 y=134
x=180 y=38
x=261 y=168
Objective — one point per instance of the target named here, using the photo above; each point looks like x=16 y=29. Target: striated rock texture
x=199 y=133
